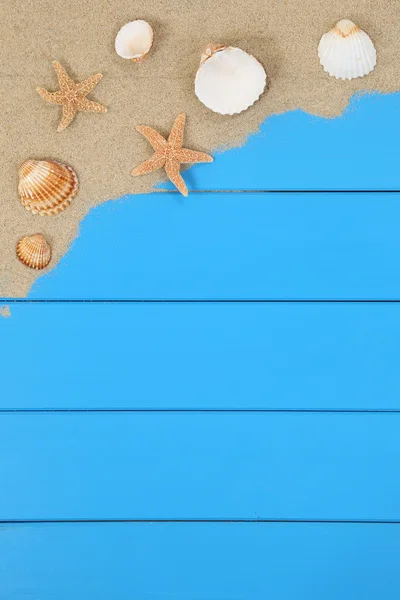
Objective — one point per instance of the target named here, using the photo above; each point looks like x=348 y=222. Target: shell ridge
x=34 y=251
x=346 y=51
x=47 y=187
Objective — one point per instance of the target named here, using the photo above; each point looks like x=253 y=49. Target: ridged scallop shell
x=34 y=251
x=229 y=80
x=347 y=52
x=134 y=40
x=46 y=187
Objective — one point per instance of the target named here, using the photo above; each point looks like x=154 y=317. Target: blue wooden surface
x=231 y=465
x=296 y=150
x=199 y=561
x=193 y=465
x=202 y=355
x=234 y=246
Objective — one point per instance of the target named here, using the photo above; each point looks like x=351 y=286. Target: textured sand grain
x=5 y=312
x=103 y=149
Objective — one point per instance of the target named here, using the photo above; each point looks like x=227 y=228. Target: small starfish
x=169 y=153
x=72 y=96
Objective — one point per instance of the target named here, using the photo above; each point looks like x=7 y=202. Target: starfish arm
x=89 y=106
x=64 y=79
x=175 y=138
x=148 y=166
x=84 y=87
x=52 y=97
x=69 y=112
x=156 y=140
x=191 y=156
x=172 y=170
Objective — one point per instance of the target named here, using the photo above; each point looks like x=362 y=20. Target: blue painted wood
x=199 y=562
x=274 y=356
x=293 y=246
x=191 y=465
x=295 y=150
x=221 y=465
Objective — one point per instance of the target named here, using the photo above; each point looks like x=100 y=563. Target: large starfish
x=169 y=153
x=72 y=96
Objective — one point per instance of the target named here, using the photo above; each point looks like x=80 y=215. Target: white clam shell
x=229 y=80
x=134 y=40
x=347 y=52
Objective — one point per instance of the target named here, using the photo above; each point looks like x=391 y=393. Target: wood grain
x=199 y=562
x=183 y=466
x=235 y=246
x=303 y=356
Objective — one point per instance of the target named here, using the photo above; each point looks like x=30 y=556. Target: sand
x=282 y=34
x=5 y=312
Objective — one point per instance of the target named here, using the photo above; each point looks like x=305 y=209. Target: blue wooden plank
x=196 y=465
x=333 y=246
x=200 y=562
x=295 y=150
x=193 y=356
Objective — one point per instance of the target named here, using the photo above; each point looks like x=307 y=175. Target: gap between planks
x=204 y=410
x=196 y=301
x=280 y=191
x=201 y=521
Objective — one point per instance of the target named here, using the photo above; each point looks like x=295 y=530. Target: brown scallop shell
x=34 y=251
x=46 y=187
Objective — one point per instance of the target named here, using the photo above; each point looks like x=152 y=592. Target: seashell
x=229 y=80
x=347 y=52
x=134 y=40
x=46 y=187
x=34 y=251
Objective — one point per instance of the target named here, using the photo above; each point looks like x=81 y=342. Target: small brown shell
x=210 y=50
x=34 y=251
x=46 y=187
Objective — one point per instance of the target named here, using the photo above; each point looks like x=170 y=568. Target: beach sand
x=103 y=148
x=5 y=312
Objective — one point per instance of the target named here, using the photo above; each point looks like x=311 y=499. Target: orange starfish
x=72 y=96
x=169 y=153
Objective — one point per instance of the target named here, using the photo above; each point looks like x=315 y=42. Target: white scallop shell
x=229 y=80
x=347 y=52
x=134 y=40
